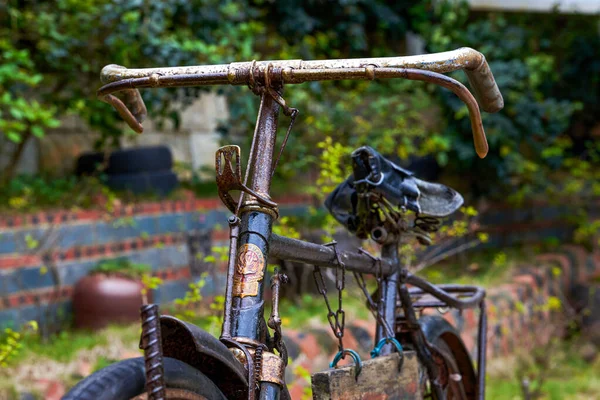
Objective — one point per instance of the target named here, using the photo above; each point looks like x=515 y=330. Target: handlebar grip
x=484 y=87
x=134 y=102
x=131 y=105
x=132 y=108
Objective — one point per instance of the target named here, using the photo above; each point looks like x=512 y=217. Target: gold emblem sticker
x=249 y=270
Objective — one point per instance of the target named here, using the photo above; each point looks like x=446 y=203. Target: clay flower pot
x=101 y=299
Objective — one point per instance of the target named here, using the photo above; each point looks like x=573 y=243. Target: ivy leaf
x=14 y=137
x=52 y=123
x=37 y=131
x=16 y=113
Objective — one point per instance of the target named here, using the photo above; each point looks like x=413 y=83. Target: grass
x=311 y=309
x=568 y=378
x=485 y=267
x=64 y=346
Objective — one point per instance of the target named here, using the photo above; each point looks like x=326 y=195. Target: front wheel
x=126 y=380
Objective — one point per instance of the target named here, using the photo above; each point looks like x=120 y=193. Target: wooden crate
x=379 y=380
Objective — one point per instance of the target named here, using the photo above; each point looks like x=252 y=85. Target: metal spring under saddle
x=427 y=224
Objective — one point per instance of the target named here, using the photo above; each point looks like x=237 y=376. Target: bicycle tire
x=126 y=379
x=126 y=161
x=446 y=338
x=157 y=182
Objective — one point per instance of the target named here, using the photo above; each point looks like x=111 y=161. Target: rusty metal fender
x=196 y=347
x=436 y=329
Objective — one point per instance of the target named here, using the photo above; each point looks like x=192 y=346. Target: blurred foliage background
x=546 y=65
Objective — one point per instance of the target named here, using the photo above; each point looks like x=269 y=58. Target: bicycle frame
x=244 y=312
x=251 y=237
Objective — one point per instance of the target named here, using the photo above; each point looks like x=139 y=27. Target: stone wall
x=193 y=143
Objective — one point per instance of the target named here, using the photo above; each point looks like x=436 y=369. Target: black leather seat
x=396 y=184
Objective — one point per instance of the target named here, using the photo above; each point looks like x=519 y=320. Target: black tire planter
x=127 y=161
x=161 y=182
x=89 y=164
x=140 y=170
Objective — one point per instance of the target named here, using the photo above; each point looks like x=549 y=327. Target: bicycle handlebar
x=422 y=67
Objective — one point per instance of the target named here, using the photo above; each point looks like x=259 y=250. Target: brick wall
x=70 y=243
x=42 y=255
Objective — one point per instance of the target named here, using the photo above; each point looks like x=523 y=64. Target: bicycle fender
x=194 y=346
x=436 y=328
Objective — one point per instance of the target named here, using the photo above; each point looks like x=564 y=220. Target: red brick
x=89 y=215
x=220 y=235
x=308 y=344
x=296 y=389
x=563 y=262
x=19 y=261
x=207 y=204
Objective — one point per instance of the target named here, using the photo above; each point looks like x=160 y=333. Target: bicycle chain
x=337 y=320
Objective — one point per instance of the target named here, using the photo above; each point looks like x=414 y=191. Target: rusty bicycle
x=248 y=361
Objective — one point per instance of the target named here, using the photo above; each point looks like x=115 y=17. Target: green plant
x=192 y=298
x=215 y=318
x=302 y=373
x=65 y=44
x=11 y=341
x=21 y=118
x=31 y=193
x=218 y=253
x=149 y=283
x=544 y=129
x=122 y=266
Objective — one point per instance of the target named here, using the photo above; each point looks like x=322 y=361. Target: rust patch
x=249 y=270
x=374 y=396
x=411 y=387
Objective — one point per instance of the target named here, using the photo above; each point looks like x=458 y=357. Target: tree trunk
x=15 y=157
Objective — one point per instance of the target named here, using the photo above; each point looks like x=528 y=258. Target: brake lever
x=132 y=108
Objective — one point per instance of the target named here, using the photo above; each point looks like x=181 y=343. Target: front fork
x=243 y=321
x=394 y=288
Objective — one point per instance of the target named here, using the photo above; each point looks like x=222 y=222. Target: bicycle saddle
x=373 y=172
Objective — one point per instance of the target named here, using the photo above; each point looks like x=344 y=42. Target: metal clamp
x=342 y=354
x=229 y=177
x=272 y=369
